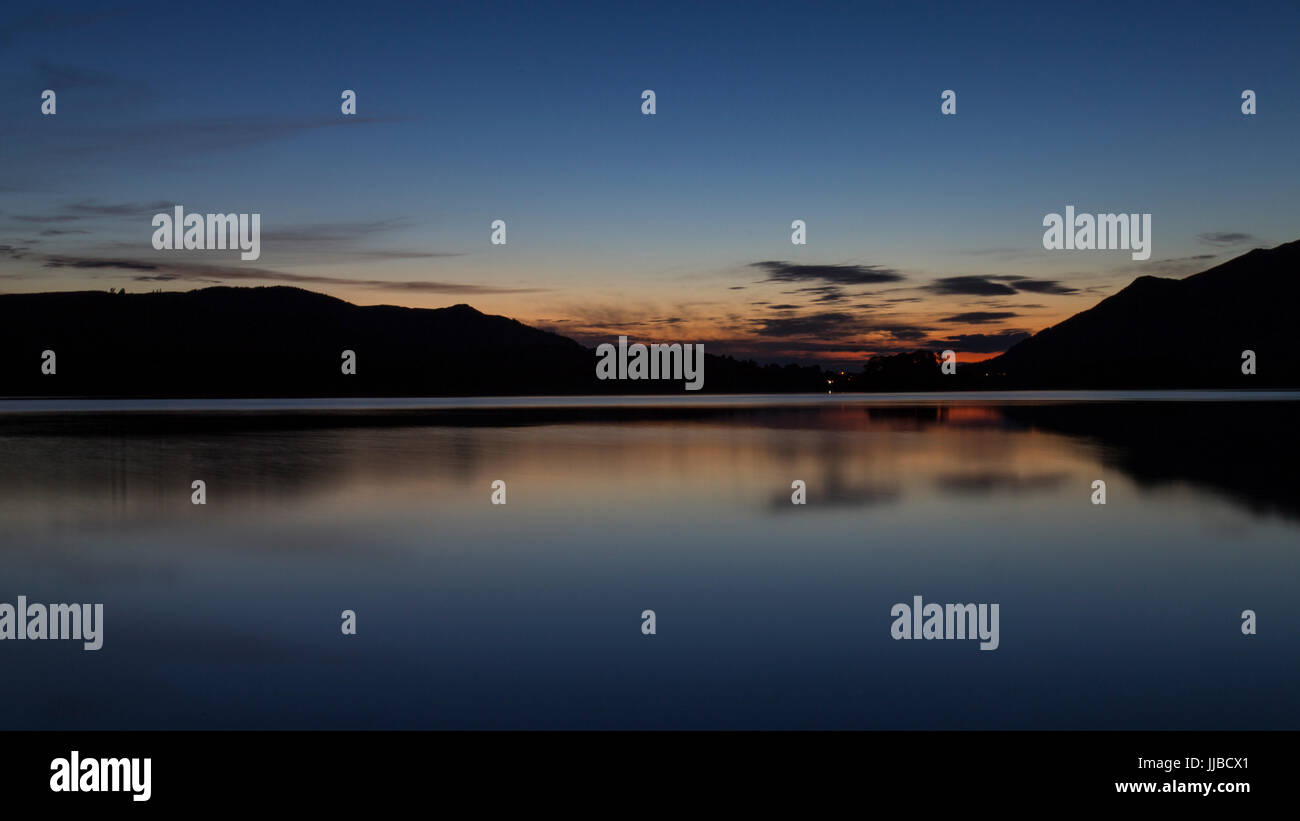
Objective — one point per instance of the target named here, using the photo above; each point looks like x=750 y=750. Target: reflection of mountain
x=1243 y=450
x=1246 y=451
x=1172 y=333
x=282 y=342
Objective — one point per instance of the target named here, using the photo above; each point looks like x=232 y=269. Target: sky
x=923 y=229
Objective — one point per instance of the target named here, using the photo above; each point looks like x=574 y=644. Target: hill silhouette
x=1184 y=333
x=288 y=342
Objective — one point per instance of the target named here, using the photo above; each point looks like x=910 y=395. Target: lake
x=768 y=614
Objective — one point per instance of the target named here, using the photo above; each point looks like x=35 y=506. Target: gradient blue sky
x=651 y=226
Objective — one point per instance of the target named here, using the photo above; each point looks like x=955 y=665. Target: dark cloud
x=825 y=293
x=82 y=262
x=983 y=343
x=58 y=232
x=825 y=324
x=830 y=325
x=808 y=350
x=59 y=261
x=970 y=286
x=1043 y=286
x=980 y=317
x=908 y=333
x=778 y=271
x=1226 y=238
x=1004 y=285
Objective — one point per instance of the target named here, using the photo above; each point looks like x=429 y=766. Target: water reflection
x=770 y=614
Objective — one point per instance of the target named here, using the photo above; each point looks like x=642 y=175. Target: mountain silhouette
x=1170 y=333
x=288 y=342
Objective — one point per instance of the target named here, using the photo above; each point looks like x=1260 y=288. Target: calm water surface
x=769 y=615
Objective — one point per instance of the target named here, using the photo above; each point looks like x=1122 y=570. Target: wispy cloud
x=91 y=208
x=332 y=233
x=94 y=208
x=335 y=240
x=44 y=218
x=338 y=239
x=1224 y=238
x=155 y=271
x=1173 y=266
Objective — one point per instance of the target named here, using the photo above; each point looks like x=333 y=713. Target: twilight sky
x=923 y=229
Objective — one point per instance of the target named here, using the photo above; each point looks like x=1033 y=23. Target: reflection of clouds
x=908 y=418
x=832 y=491
x=106 y=475
x=89 y=472
x=98 y=481
x=988 y=482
